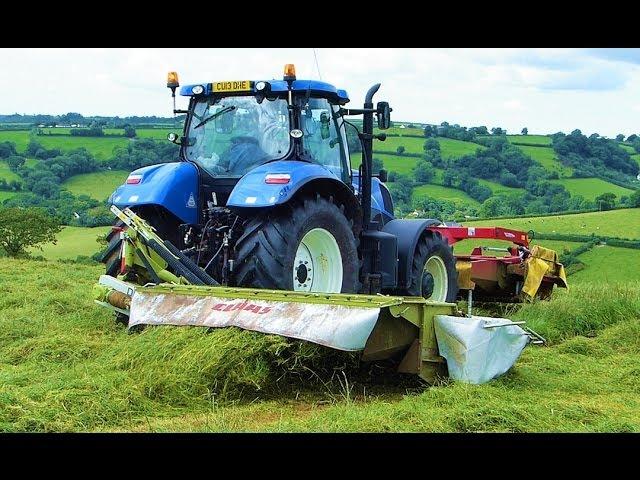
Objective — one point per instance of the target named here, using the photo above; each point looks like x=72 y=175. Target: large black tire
x=111 y=255
x=266 y=251
x=431 y=244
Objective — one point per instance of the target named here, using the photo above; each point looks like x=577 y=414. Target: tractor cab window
x=323 y=137
x=230 y=136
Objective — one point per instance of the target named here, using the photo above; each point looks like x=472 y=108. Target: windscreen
x=230 y=136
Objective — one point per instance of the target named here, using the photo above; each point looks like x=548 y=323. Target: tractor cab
x=236 y=126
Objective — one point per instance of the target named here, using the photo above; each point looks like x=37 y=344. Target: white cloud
x=542 y=89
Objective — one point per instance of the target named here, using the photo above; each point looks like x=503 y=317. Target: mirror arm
x=357 y=111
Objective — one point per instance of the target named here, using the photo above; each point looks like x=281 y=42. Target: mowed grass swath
x=66 y=366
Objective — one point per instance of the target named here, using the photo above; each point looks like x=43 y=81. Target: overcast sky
x=546 y=90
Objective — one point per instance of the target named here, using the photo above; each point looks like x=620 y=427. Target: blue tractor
x=264 y=196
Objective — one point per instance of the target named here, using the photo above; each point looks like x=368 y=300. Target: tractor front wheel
x=433 y=272
x=308 y=246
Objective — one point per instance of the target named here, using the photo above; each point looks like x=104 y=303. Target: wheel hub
x=302 y=273
x=317 y=265
x=427 y=284
x=435 y=280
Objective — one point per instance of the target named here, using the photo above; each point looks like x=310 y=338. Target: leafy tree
x=606 y=201
x=33 y=147
x=24 y=228
x=400 y=150
x=525 y=131
x=377 y=165
x=15 y=162
x=634 y=199
x=498 y=131
x=620 y=137
x=129 y=131
x=429 y=131
x=7 y=149
x=480 y=130
x=424 y=171
x=431 y=144
x=632 y=138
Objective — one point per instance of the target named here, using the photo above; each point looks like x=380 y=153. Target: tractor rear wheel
x=308 y=246
x=111 y=256
x=433 y=271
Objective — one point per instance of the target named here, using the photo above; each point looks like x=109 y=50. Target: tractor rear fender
x=173 y=186
x=302 y=178
x=408 y=232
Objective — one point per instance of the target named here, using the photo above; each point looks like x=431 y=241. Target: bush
x=24 y=228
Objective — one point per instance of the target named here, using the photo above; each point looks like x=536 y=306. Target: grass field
x=443 y=193
x=590 y=188
x=392 y=163
x=606 y=265
x=100 y=147
x=628 y=148
x=546 y=157
x=73 y=241
x=98 y=185
x=20 y=138
x=449 y=148
x=499 y=188
x=4 y=195
x=636 y=157
x=7 y=174
x=66 y=366
x=534 y=139
x=624 y=223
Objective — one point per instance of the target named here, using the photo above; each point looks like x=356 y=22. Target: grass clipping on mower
x=178 y=363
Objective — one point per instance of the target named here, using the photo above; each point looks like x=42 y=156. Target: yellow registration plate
x=236 y=86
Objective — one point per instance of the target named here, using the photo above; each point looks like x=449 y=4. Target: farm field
x=590 y=188
x=628 y=148
x=533 y=139
x=100 y=147
x=624 y=223
x=5 y=195
x=73 y=241
x=443 y=193
x=449 y=148
x=606 y=265
x=497 y=188
x=19 y=137
x=98 y=185
x=71 y=368
x=546 y=156
x=7 y=174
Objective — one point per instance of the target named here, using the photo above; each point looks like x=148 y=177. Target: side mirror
x=324 y=125
x=383 y=112
x=383 y=176
x=174 y=138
